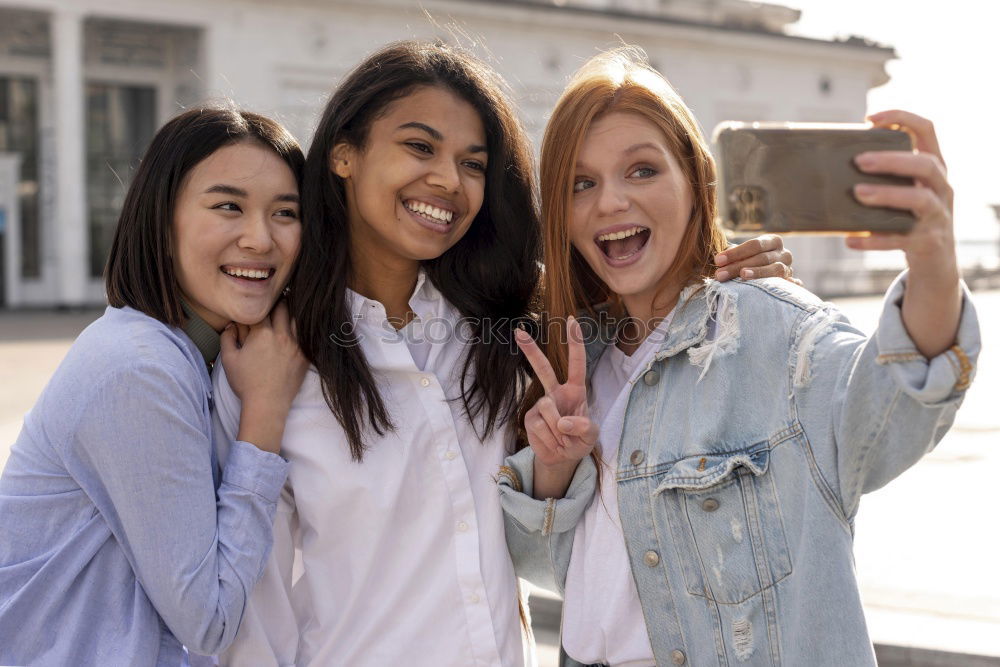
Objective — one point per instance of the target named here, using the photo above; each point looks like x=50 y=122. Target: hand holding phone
x=929 y=196
x=932 y=304
x=800 y=178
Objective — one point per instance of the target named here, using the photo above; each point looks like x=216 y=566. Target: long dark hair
x=490 y=275
x=139 y=272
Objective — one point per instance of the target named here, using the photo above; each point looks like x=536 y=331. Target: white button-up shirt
x=400 y=559
x=602 y=617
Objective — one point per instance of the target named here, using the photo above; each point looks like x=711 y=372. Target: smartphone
x=799 y=178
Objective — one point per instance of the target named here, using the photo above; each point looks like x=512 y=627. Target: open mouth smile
x=256 y=275
x=436 y=215
x=623 y=244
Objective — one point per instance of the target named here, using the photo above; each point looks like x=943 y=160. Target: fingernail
x=746 y=274
x=864 y=160
x=722 y=276
x=863 y=191
x=721 y=259
x=521 y=333
x=565 y=424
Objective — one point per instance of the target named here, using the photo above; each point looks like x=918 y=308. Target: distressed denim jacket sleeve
x=540 y=532
x=886 y=404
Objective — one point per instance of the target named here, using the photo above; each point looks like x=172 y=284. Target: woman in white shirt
x=420 y=257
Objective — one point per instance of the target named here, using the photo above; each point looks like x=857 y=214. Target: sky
x=948 y=70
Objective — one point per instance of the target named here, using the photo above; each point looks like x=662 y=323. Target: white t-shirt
x=400 y=559
x=602 y=617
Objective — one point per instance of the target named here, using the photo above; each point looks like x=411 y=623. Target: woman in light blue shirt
x=121 y=539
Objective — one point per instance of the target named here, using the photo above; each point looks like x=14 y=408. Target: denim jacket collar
x=689 y=327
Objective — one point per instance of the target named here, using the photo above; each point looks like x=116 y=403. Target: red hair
x=619 y=80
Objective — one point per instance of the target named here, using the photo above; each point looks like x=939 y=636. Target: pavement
x=927 y=546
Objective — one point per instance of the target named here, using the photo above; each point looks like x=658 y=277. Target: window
x=19 y=134
x=121 y=121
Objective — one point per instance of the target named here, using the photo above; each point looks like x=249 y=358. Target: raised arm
x=268 y=635
x=546 y=487
x=143 y=454
x=558 y=425
x=144 y=450
x=892 y=398
x=932 y=301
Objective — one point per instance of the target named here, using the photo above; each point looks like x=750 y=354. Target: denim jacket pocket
x=722 y=513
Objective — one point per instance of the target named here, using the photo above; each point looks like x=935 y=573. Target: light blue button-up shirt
x=120 y=541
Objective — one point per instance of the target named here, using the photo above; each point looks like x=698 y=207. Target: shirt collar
x=688 y=325
x=425 y=300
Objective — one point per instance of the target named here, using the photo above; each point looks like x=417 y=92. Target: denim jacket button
x=710 y=504
x=678 y=657
x=651 y=378
x=637 y=457
x=651 y=558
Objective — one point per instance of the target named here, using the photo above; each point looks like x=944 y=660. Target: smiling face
x=416 y=185
x=236 y=233
x=631 y=206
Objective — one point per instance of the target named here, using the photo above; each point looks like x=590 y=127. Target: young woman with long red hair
x=736 y=424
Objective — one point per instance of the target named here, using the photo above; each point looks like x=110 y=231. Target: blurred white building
x=85 y=83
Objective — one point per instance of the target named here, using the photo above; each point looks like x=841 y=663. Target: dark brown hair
x=490 y=275
x=140 y=272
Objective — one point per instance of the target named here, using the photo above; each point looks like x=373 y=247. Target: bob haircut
x=140 y=270
x=618 y=80
x=490 y=275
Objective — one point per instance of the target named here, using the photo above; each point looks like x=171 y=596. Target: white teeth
x=430 y=211
x=615 y=236
x=258 y=274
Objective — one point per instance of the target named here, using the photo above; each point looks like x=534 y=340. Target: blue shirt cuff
x=255 y=470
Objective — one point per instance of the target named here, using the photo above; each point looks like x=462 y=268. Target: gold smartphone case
x=798 y=177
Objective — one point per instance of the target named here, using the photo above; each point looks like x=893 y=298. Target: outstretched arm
x=932 y=302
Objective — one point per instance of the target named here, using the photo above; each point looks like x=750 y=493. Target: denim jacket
x=748 y=442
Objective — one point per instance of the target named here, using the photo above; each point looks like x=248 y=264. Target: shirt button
x=637 y=457
x=678 y=657
x=450 y=455
x=462 y=526
x=651 y=377
x=710 y=504
x=652 y=558
x=474 y=599
x=424 y=382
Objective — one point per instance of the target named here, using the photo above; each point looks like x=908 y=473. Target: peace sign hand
x=558 y=426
